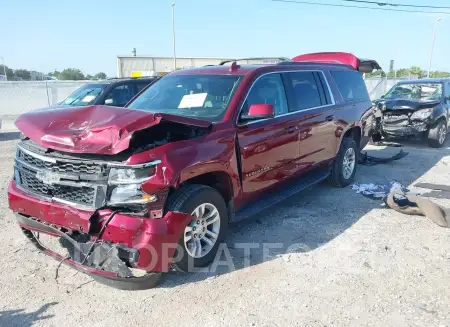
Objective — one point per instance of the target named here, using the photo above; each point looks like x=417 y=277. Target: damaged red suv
x=130 y=192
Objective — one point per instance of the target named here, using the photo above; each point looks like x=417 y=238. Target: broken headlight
x=422 y=114
x=125 y=185
x=130 y=194
x=119 y=176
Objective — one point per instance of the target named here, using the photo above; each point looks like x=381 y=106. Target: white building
x=129 y=66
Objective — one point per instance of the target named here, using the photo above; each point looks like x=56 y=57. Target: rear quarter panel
x=350 y=114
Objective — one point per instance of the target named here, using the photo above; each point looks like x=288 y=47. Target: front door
x=268 y=147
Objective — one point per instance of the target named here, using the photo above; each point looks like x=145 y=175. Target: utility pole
x=4 y=68
x=173 y=36
x=432 y=45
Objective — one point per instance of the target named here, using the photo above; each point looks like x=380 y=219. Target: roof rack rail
x=282 y=59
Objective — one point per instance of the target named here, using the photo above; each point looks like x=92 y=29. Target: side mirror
x=382 y=96
x=109 y=102
x=259 y=111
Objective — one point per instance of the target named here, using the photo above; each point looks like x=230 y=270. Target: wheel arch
x=219 y=180
x=354 y=132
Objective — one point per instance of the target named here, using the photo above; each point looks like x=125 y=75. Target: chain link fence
x=17 y=98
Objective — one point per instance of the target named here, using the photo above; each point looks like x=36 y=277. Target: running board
x=272 y=199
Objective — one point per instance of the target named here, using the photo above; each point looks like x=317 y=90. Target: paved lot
x=355 y=264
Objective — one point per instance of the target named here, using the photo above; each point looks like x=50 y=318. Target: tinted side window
x=305 y=91
x=140 y=87
x=268 y=89
x=119 y=95
x=351 y=85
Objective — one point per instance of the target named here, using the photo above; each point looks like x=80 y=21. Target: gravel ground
x=354 y=264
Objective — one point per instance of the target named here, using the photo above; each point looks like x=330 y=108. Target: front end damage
x=402 y=118
x=106 y=211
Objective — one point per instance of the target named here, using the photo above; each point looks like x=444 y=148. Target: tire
x=150 y=280
x=438 y=134
x=187 y=199
x=338 y=177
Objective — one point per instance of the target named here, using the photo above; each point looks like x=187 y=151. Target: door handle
x=329 y=118
x=291 y=129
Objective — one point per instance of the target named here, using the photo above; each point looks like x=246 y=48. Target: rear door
x=311 y=107
x=269 y=148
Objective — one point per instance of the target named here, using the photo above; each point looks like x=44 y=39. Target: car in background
x=414 y=108
x=112 y=92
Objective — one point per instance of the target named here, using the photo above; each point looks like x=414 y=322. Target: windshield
x=84 y=95
x=199 y=96
x=415 y=91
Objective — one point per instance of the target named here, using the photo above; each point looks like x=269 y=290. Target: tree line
x=412 y=72
x=68 y=74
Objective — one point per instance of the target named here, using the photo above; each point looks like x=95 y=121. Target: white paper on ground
x=193 y=100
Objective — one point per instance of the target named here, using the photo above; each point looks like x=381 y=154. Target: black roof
x=122 y=79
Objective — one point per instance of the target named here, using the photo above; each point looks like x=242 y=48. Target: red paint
x=93 y=129
x=269 y=151
x=151 y=236
x=260 y=109
x=340 y=58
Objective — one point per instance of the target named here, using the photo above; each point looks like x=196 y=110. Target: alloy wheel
x=202 y=233
x=348 y=165
x=441 y=134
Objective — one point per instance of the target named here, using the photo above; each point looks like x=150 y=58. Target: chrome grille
x=81 y=195
x=79 y=183
x=60 y=166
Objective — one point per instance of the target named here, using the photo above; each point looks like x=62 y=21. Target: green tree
x=71 y=74
x=22 y=74
x=403 y=72
x=89 y=77
x=417 y=71
x=9 y=72
x=100 y=75
x=378 y=73
x=55 y=74
x=438 y=74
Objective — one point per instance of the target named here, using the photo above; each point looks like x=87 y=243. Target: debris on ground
x=365 y=159
x=379 y=191
x=401 y=199
x=416 y=205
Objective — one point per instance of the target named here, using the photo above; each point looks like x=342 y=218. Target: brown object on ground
x=424 y=207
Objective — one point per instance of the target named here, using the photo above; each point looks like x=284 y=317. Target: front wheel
x=344 y=168
x=201 y=238
x=438 y=134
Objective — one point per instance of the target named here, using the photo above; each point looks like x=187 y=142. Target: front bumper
x=404 y=127
x=154 y=239
x=395 y=130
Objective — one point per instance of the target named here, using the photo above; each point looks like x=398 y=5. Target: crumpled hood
x=92 y=129
x=408 y=105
